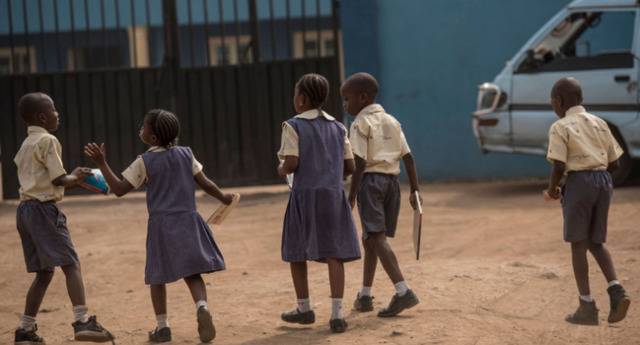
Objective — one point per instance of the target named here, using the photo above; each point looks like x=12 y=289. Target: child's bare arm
x=288 y=165
x=71 y=180
x=98 y=155
x=349 y=167
x=410 y=167
x=361 y=164
x=613 y=166
x=557 y=170
x=212 y=189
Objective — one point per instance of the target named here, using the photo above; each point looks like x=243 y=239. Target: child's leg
x=159 y=298
x=581 y=266
x=370 y=262
x=197 y=288
x=386 y=256
x=36 y=292
x=75 y=289
x=336 y=281
x=300 y=282
x=602 y=256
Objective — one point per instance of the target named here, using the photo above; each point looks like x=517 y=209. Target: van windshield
x=586 y=40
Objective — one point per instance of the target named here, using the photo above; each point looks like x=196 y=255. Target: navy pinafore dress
x=179 y=242
x=318 y=223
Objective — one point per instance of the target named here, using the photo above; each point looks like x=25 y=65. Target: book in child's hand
x=223 y=211
x=95 y=182
x=417 y=226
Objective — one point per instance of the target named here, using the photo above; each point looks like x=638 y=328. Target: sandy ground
x=494 y=271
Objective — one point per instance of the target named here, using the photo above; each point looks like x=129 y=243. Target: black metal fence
x=227 y=67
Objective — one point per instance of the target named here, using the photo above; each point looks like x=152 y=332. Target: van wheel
x=625 y=162
x=625 y=167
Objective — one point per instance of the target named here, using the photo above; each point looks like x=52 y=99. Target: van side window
x=583 y=41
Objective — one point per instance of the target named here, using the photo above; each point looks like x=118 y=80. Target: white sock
x=304 y=305
x=80 y=313
x=614 y=282
x=28 y=323
x=336 y=308
x=202 y=303
x=365 y=291
x=401 y=288
x=586 y=298
x=163 y=321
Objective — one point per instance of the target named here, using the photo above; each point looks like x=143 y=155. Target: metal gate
x=226 y=67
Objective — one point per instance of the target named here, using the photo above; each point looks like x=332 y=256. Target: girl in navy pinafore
x=318 y=225
x=180 y=245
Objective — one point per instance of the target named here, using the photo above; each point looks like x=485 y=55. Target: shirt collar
x=36 y=129
x=578 y=109
x=314 y=113
x=156 y=149
x=372 y=108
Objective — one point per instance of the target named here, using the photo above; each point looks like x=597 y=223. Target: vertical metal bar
x=205 y=6
x=289 y=36
x=73 y=36
x=103 y=21
x=319 y=30
x=172 y=48
x=87 y=31
x=191 y=35
x=303 y=19
x=57 y=32
x=255 y=30
x=42 y=39
x=11 y=43
x=335 y=23
x=222 y=40
x=26 y=34
x=147 y=17
x=236 y=20
x=272 y=21
x=117 y=3
x=133 y=34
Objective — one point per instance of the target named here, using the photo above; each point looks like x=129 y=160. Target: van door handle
x=622 y=78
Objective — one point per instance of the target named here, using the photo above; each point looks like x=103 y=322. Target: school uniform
x=586 y=145
x=42 y=226
x=179 y=242
x=377 y=138
x=318 y=223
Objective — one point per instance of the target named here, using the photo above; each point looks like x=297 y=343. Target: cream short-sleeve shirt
x=582 y=141
x=377 y=138
x=290 y=140
x=39 y=162
x=136 y=173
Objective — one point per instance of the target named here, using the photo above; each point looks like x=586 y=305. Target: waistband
x=587 y=172
x=380 y=174
x=36 y=201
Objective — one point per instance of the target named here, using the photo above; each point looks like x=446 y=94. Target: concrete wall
x=429 y=57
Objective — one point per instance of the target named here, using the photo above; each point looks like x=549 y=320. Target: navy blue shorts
x=379 y=204
x=586 y=196
x=45 y=238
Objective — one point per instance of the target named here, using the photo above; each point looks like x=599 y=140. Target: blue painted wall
x=429 y=57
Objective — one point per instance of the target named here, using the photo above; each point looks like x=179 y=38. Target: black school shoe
x=619 y=303
x=295 y=316
x=24 y=337
x=586 y=314
x=91 y=331
x=338 y=325
x=161 y=335
x=206 y=329
x=363 y=303
x=399 y=303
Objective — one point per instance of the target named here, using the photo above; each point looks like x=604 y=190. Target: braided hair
x=315 y=88
x=165 y=125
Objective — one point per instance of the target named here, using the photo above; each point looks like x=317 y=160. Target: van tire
x=625 y=162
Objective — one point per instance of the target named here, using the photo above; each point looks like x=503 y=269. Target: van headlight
x=490 y=98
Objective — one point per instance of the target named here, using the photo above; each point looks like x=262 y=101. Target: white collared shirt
x=378 y=139
x=290 y=140
x=136 y=173
x=582 y=141
x=39 y=162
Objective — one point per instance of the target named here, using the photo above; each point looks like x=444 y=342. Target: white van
x=595 y=41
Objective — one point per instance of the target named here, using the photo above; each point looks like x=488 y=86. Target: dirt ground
x=494 y=271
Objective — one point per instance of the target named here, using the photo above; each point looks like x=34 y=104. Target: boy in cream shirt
x=582 y=147
x=378 y=145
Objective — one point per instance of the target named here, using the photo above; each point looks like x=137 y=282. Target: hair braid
x=315 y=87
x=165 y=126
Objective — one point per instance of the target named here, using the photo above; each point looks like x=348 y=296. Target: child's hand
x=227 y=198
x=98 y=154
x=281 y=171
x=551 y=195
x=413 y=201
x=80 y=173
